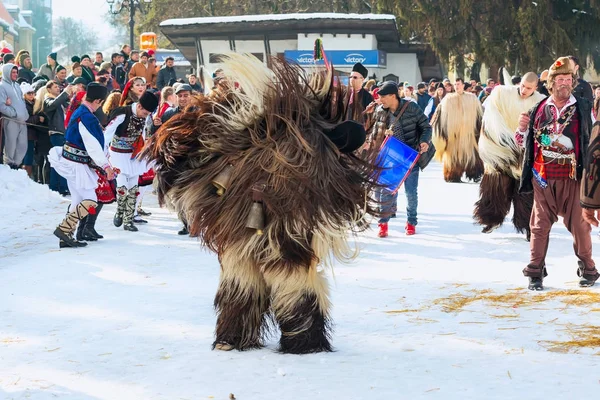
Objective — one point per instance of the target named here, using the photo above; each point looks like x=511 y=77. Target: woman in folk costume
x=125 y=131
x=80 y=161
x=267 y=177
x=502 y=156
x=456 y=124
x=133 y=90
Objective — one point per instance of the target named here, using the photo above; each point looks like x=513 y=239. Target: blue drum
x=397 y=160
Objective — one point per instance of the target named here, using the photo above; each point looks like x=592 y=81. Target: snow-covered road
x=131 y=317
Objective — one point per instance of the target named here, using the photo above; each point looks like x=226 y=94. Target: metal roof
x=182 y=32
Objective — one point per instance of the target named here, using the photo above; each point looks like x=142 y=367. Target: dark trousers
x=57 y=182
x=388 y=200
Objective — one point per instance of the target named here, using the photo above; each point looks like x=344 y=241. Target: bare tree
x=73 y=34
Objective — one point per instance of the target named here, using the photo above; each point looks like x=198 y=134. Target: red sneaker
x=410 y=229
x=383 y=230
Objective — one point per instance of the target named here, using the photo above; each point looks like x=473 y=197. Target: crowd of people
x=36 y=103
x=529 y=142
x=81 y=132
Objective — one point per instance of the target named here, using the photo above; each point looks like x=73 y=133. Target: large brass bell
x=256 y=217
x=221 y=181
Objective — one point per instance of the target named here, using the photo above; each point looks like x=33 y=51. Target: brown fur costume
x=275 y=133
x=456 y=124
x=502 y=157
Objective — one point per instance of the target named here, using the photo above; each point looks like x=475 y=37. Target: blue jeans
x=388 y=200
x=57 y=182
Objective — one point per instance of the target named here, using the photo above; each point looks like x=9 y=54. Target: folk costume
x=502 y=158
x=456 y=125
x=555 y=144
x=79 y=161
x=125 y=131
x=358 y=100
x=267 y=177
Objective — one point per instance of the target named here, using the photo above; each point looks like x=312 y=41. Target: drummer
x=405 y=121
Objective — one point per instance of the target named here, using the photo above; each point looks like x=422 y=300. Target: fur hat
x=75 y=59
x=358 y=67
x=95 y=91
x=149 y=101
x=562 y=66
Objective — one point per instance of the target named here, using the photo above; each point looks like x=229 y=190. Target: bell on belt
x=256 y=218
x=221 y=182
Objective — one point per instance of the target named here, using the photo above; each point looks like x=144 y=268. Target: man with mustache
x=556 y=134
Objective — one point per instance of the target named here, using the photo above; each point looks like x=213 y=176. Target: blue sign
x=339 y=58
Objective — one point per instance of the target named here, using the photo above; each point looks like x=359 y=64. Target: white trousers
x=78 y=195
x=127 y=181
x=142 y=190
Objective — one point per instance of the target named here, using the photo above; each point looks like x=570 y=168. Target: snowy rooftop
x=182 y=32
x=275 y=17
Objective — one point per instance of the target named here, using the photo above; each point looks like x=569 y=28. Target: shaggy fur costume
x=275 y=133
x=456 y=125
x=502 y=157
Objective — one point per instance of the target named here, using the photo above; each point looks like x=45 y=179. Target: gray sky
x=90 y=12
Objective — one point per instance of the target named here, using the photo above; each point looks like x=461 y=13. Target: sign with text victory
x=339 y=58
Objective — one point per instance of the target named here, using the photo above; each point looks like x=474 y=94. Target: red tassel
x=92 y=210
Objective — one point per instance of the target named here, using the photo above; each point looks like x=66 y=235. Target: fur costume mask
x=266 y=177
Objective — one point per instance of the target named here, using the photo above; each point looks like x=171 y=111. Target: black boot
x=81 y=228
x=587 y=276
x=90 y=226
x=183 y=231
x=536 y=283
x=536 y=276
x=66 y=228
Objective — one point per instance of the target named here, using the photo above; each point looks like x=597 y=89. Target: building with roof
x=371 y=39
x=17 y=19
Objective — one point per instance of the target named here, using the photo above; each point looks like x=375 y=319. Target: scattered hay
x=516 y=298
x=582 y=336
x=402 y=311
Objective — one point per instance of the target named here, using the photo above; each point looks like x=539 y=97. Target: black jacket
x=584 y=110
x=54 y=110
x=166 y=77
x=584 y=89
x=26 y=74
x=165 y=117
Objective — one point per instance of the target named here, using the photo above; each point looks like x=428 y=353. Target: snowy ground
x=131 y=317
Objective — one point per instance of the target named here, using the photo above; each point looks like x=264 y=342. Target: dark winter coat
x=423 y=100
x=412 y=128
x=166 y=77
x=584 y=90
x=33 y=119
x=54 y=110
x=119 y=75
x=584 y=112
x=26 y=74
